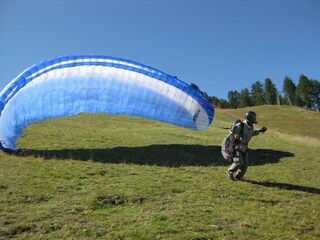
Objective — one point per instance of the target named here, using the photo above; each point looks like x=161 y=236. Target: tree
x=245 y=100
x=270 y=92
x=283 y=100
x=214 y=100
x=195 y=86
x=223 y=103
x=257 y=94
x=233 y=99
x=289 y=89
x=303 y=92
x=298 y=100
x=315 y=94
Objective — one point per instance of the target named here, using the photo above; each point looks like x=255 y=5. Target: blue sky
x=220 y=45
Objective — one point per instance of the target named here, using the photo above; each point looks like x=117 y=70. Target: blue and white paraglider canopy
x=66 y=86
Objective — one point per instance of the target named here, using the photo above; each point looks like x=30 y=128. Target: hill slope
x=115 y=177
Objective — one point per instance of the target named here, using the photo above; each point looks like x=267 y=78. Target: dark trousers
x=239 y=165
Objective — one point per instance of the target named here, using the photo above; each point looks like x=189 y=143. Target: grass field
x=115 y=177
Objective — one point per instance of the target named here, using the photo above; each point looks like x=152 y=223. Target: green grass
x=115 y=177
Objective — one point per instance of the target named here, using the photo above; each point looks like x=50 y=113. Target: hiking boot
x=230 y=175
x=238 y=178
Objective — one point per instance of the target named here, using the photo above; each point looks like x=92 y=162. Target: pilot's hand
x=263 y=129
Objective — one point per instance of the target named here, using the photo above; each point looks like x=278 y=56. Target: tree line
x=305 y=94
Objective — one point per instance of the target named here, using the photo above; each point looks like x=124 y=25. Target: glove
x=263 y=129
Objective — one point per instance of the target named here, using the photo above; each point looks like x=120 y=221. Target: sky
x=220 y=45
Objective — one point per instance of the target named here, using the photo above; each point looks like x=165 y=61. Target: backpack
x=229 y=142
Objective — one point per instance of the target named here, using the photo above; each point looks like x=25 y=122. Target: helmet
x=251 y=117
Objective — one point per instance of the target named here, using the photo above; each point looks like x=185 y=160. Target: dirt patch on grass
x=115 y=200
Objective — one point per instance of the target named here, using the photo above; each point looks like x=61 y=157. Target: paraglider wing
x=66 y=86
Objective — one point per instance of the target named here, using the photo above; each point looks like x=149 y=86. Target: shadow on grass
x=285 y=186
x=172 y=155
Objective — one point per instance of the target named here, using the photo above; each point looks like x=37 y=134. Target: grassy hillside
x=115 y=177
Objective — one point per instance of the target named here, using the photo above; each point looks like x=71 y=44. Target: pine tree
x=283 y=100
x=195 y=86
x=245 y=100
x=270 y=92
x=303 y=92
x=289 y=89
x=257 y=94
x=315 y=94
x=214 y=100
x=234 y=99
x=223 y=103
